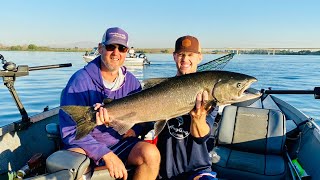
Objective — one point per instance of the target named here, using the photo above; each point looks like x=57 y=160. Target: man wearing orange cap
x=182 y=143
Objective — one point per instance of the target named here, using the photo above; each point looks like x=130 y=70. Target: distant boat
x=137 y=60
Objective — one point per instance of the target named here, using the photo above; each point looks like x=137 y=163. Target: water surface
x=42 y=88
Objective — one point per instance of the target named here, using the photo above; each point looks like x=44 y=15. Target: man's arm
x=199 y=127
x=113 y=163
x=115 y=166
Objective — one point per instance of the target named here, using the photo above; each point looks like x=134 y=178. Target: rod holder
x=9 y=74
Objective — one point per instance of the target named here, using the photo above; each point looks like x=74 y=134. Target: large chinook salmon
x=170 y=98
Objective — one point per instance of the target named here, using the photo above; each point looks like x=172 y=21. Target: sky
x=157 y=24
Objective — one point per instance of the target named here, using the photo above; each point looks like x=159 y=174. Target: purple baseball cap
x=115 y=35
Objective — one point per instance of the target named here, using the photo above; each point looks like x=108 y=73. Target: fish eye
x=239 y=85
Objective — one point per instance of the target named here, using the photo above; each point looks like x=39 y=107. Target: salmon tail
x=83 y=130
x=84 y=116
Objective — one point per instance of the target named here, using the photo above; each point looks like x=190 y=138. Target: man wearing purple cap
x=182 y=143
x=105 y=77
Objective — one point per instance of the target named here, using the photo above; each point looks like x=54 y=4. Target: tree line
x=281 y=52
x=33 y=47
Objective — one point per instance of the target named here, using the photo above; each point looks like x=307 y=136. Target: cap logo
x=186 y=43
x=115 y=34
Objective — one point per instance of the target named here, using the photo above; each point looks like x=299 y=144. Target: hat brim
x=186 y=50
x=123 y=43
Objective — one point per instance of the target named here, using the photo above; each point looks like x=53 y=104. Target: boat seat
x=64 y=164
x=250 y=144
x=64 y=160
x=75 y=163
x=53 y=133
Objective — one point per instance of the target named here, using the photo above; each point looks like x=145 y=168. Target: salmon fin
x=120 y=126
x=148 y=83
x=159 y=126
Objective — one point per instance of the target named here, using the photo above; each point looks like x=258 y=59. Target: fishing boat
x=136 y=60
x=282 y=142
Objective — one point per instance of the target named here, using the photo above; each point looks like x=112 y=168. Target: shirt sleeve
x=210 y=121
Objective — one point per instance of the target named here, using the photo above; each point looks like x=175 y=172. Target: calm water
x=42 y=88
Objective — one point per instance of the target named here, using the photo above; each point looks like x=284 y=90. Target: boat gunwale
x=33 y=119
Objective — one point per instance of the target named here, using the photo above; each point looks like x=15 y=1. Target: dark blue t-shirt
x=181 y=153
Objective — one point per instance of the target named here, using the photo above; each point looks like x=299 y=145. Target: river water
x=42 y=88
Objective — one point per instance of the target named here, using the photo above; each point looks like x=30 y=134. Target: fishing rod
x=315 y=92
x=9 y=74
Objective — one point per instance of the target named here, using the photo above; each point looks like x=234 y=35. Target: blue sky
x=157 y=24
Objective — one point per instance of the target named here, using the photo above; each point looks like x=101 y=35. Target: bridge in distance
x=272 y=51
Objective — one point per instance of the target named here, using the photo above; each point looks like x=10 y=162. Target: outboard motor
x=142 y=56
x=145 y=61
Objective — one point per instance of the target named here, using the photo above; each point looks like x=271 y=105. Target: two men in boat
x=182 y=143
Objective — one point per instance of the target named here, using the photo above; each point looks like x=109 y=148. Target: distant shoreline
x=32 y=47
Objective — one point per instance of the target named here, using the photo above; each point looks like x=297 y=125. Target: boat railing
x=9 y=74
x=315 y=92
